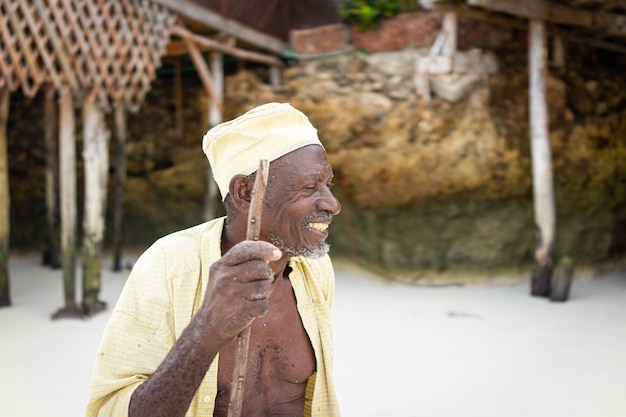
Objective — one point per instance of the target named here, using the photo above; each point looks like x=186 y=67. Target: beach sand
x=488 y=350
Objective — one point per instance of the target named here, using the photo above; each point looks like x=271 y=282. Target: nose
x=328 y=202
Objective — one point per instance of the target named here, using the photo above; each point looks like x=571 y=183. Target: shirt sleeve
x=136 y=339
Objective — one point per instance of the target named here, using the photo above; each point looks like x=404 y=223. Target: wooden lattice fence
x=107 y=48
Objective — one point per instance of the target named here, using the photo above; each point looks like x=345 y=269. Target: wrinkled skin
x=249 y=286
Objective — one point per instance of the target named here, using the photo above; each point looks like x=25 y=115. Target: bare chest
x=280 y=360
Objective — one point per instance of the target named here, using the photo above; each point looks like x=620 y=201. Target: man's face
x=299 y=204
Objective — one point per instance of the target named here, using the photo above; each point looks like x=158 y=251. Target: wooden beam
x=538 y=9
x=610 y=23
x=201 y=67
x=210 y=18
x=175 y=48
x=604 y=4
x=204 y=42
x=510 y=21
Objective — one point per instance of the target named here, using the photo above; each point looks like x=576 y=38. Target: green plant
x=366 y=14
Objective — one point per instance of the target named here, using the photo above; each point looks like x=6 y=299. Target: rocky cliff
x=425 y=186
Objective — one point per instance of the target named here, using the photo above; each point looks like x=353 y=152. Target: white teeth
x=318 y=226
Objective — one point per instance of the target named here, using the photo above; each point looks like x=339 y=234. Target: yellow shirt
x=163 y=292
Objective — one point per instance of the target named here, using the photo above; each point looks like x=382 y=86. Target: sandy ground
x=471 y=351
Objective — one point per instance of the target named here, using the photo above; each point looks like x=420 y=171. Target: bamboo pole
x=96 y=163
x=120 y=185
x=5 y=200
x=543 y=192
x=67 y=163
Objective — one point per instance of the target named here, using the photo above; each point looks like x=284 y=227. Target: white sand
x=473 y=351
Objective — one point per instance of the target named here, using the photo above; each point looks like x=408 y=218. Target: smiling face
x=299 y=204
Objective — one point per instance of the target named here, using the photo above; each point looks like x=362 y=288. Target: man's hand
x=238 y=291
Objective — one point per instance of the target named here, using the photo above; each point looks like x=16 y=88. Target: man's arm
x=237 y=292
x=169 y=391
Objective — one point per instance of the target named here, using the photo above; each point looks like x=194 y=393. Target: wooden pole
x=202 y=69
x=243 y=339
x=120 y=185
x=96 y=163
x=543 y=192
x=207 y=43
x=5 y=200
x=51 y=255
x=67 y=164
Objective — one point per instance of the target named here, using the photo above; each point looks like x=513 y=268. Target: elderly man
x=169 y=347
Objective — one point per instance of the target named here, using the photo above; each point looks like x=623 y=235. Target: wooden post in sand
x=67 y=162
x=543 y=192
x=120 y=184
x=5 y=206
x=52 y=253
x=96 y=162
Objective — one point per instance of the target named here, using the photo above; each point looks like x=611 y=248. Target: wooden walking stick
x=243 y=339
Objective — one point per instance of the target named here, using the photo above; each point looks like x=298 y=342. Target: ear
x=240 y=190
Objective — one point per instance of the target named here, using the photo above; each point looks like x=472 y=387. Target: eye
x=330 y=184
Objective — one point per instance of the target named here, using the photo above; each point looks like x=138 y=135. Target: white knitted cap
x=267 y=132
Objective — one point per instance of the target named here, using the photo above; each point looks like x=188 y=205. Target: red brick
x=319 y=40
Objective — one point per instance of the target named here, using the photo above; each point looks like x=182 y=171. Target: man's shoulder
x=182 y=249
x=190 y=237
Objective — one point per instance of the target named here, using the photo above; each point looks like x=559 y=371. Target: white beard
x=313 y=253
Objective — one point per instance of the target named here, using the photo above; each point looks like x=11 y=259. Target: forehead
x=305 y=161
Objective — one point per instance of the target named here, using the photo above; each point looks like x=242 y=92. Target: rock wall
x=425 y=187
x=447 y=186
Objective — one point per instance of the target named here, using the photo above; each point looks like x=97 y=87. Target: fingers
x=252 y=270
x=257 y=290
x=245 y=262
x=239 y=287
x=249 y=250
